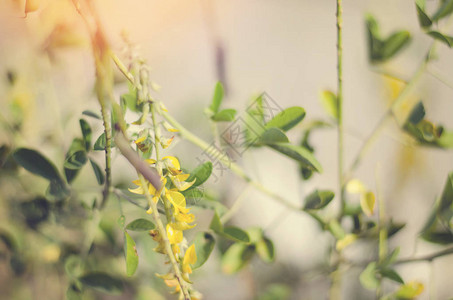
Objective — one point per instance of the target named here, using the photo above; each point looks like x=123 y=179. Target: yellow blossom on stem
x=190 y=258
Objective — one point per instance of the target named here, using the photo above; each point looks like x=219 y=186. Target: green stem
x=163 y=234
x=429 y=257
x=339 y=18
x=108 y=153
x=235 y=207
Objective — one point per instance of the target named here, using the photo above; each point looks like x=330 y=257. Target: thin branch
x=429 y=257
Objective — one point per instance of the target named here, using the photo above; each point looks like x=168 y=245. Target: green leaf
x=86 y=133
x=329 y=102
x=318 y=199
x=423 y=18
x=76 y=160
x=276 y=291
x=140 y=225
x=131 y=254
x=273 y=136
x=99 y=145
x=35 y=211
x=236 y=257
x=102 y=282
x=287 y=119
x=300 y=154
x=374 y=41
x=200 y=174
x=444 y=10
x=392 y=275
x=235 y=234
x=36 y=163
x=217 y=98
x=445 y=208
x=129 y=100
x=57 y=191
x=394 y=43
x=92 y=114
x=225 y=115
x=204 y=244
x=368 y=278
x=410 y=290
x=391 y=258
x=73 y=293
x=98 y=172
x=216 y=225
x=447 y=40
x=265 y=249
x=193 y=196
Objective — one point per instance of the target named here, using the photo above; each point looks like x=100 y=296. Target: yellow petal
x=150 y=161
x=173 y=160
x=182 y=177
x=177 y=199
x=190 y=258
x=137 y=182
x=368 y=202
x=139 y=140
x=31 y=6
x=149 y=211
x=183 y=226
x=174 y=235
x=410 y=290
x=188 y=218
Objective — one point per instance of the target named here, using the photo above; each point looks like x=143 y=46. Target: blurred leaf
x=368 y=203
x=329 y=102
x=368 y=277
x=76 y=160
x=273 y=136
x=204 y=244
x=336 y=229
x=193 y=195
x=444 y=10
x=445 y=208
x=140 y=225
x=200 y=173
x=394 y=43
x=417 y=114
x=217 y=98
x=410 y=290
x=129 y=100
x=447 y=40
x=91 y=114
x=35 y=211
x=36 y=163
x=72 y=265
x=276 y=291
x=423 y=18
x=235 y=234
x=391 y=274
x=17 y=264
x=73 y=293
x=236 y=257
x=131 y=254
x=287 y=119
x=381 y=50
x=102 y=282
x=225 y=115
x=99 y=145
x=97 y=172
x=216 y=225
x=391 y=258
x=265 y=250
x=318 y=199
x=300 y=154
x=86 y=133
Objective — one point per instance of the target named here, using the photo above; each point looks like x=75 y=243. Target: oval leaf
x=97 y=172
x=140 y=225
x=235 y=234
x=76 y=160
x=131 y=255
x=236 y=257
x=447 y=40
x=265 y=249
x=318 y=199
x=329 y=102
x=200 y=174
x=287 y=119
x=225 y=115
x=273 y=136
x=217 y=98
x=300 y=154
x=86 y=133
x=36 y=163
x=204 y=244
x=102 y=282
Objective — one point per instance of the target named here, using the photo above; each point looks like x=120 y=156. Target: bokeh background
x=284 y=48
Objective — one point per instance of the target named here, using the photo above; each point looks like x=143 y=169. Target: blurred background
x=284 y=48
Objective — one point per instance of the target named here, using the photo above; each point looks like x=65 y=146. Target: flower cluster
x=179 y=218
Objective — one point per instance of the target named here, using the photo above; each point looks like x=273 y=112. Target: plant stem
x=163 y=234
x=429 y=257
x=108 y=153
x=339 y=17
x=235 y=207
x=388 y=114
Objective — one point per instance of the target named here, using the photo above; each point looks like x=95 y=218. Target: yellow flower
x=172 y=164
x=174 y=234
x=190 y=258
